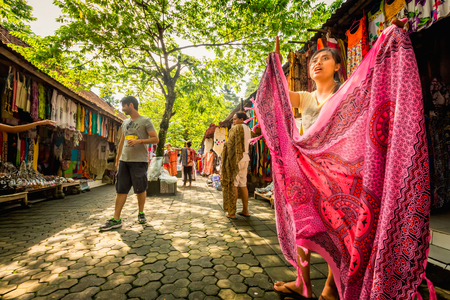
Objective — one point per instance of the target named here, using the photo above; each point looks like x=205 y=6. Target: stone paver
x=188 y=249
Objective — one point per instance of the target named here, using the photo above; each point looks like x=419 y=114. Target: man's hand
x=117 y=165
x=133 y=142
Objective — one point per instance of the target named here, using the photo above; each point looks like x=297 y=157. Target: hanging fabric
x=358 y=46
x=14 y=100
x=42 y=102
x=34 y=101
x=219 y=140
x=376 y=24
x=392 y=10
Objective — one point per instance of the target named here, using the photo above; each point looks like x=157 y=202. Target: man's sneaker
x=111 y=223
x=141 y=218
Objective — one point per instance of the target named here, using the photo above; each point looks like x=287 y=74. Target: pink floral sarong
x=357 y=191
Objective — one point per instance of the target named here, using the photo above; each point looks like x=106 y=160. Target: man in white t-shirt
x=241 y=179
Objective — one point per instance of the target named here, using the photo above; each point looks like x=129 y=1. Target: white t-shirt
x=103 y=150
x=64 y=113
x=72 y=107
x=59 y=110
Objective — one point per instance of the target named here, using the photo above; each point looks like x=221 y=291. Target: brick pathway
x=188 y=250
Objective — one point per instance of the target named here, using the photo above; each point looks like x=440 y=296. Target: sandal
x=241 y=214
x=293 y=294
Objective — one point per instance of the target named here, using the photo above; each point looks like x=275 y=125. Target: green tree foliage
x=15 y=15
x=138 y=46
x=186 y=124
x=230 y=95
x=143 y=37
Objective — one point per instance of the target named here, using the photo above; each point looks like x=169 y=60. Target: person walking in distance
x=187 y=160
x=132 y=160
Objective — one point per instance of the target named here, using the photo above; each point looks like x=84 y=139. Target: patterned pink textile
x=357 y=191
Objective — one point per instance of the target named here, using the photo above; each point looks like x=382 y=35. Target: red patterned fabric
x=355 y=186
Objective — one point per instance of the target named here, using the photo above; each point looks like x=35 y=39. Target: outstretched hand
x=400 y=23
x=277 y=50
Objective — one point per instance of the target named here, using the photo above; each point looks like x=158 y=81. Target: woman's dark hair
x=241 y=115
x=337 y=59
x=130 y=99
x=189 y=144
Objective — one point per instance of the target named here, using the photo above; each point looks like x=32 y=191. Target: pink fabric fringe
x=360 y=172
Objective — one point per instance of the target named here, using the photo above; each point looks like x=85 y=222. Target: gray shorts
x=131 y=174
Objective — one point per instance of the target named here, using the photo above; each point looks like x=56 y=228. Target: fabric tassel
x=431 y=290
x=254 y=140
x=248 y=120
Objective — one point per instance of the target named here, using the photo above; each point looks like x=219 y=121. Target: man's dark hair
x=130 y=99
x=241 y=115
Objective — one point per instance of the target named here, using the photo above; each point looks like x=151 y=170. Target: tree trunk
x=164 y=125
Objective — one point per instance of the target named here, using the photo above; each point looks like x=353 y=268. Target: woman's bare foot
x=329 y=293
x=283 y=287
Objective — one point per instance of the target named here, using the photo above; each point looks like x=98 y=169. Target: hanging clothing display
x=7 y=96
x=35 y=153
x=42 y=102
x=392 y=9
x=14 y=100
x=209 y=162
x=354 y=187
x=34 y=101
x=376 y=24
x=79 y=118
x=72 y=115
x=219 y=139
x=358 y=46
x=438 y=133
x=422 y=14
x=171 y=162
x=21 y=92
x=209 y=144
x=53 y=101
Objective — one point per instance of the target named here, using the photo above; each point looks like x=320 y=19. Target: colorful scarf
x=232 y=154
x=173 y=155
x=357 y=191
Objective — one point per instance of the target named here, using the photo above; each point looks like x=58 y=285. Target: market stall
x=49 y=159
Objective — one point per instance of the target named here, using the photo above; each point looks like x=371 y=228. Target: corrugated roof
x=88 y=96
x=344 y=16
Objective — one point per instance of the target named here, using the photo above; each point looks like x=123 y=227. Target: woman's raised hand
x=277 y=50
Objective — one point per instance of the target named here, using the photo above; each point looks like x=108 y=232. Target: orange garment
x=360 y=36
x=358 y=46
x=173 y=155
x=319 y=44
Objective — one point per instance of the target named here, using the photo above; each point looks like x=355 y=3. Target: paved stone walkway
x=188 y=250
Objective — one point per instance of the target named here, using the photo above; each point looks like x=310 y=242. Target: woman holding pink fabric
x=324 y=70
